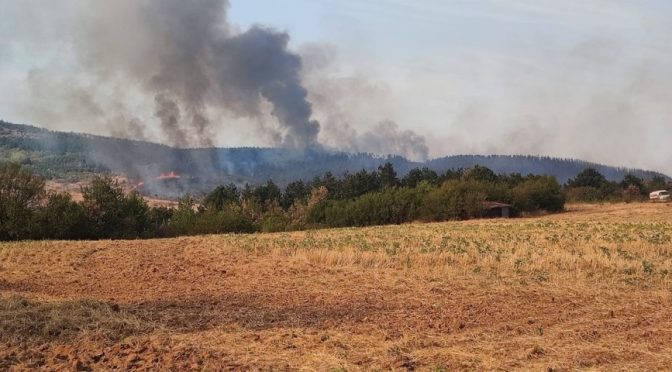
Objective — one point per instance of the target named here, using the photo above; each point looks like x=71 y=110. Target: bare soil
x=352 y=299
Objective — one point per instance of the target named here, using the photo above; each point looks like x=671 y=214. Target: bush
x=62 y=218
x=274 y=221
x=113 y=214
x=583 y=194
x=103 y=200
x=159 y=220
x=539 y=193
x=455 y=200
x=187 y=221
x=135 y=218
x=393 y=205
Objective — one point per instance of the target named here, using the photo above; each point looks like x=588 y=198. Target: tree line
x=591 y=186
x=28 y=211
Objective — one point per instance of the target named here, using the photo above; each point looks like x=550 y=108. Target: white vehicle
x=662 y=195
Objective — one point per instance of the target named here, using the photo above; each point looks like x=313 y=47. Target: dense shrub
x=275 y=221
x=159 y=220
x=583 y=194
x=539 y=193
x=229 y=221
x=455 y=200
x=393 y=205
x=62 y=218
x=188 y=220
x=113 y=214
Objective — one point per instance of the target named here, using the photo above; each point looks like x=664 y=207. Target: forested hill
x=71 y=155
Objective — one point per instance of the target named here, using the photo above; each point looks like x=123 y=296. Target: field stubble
x=589 y=288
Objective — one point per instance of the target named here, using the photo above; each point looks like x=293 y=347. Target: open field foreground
x=586 y=289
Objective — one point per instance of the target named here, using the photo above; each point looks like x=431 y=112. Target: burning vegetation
x=172 y=175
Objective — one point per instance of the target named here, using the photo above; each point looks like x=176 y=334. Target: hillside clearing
x=590 y=288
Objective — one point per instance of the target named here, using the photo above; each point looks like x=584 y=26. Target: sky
x=587 y=79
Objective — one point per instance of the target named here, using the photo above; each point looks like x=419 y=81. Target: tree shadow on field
x=248 y=311
x=19 y=286
x=24 y=320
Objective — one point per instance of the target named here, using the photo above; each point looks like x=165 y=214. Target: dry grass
x=590 y=288
x=22 y=320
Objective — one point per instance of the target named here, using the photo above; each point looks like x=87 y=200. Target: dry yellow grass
x=586 y=289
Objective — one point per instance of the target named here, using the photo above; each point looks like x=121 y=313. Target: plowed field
x=587 y=289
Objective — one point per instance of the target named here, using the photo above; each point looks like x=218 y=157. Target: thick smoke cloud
x=577 y=79
x=179 y=72
x=387 y=138
x=187 y=56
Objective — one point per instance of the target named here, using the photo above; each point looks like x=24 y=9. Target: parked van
x=662 y=195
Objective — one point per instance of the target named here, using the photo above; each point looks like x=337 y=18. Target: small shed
x=497 y=210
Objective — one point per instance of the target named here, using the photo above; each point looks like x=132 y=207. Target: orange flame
x=169 y=176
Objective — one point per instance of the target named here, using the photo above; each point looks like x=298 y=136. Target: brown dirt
x=362 y=299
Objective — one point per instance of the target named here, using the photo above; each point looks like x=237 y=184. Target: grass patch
x=22 y=320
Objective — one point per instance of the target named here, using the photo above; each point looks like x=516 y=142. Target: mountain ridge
x=56 y=154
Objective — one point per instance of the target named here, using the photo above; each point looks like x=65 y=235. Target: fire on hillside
x=171 y=185
x=172 y=175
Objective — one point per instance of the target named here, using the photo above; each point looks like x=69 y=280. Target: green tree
x=20 y=194
x=480 y=173
x=657 y=183
x=589 y=177
x=417 y=175
x=295 y=191
x=451 y=174
x=358 y=184
x=265 y=194
x=330 y=182
x=62 y=218
x=184 y=217
x=111 y=213
x=388 y=176
x=222 y=197
x=630 y=183
x=159 y=220
x=103 y=201
x=135 y=217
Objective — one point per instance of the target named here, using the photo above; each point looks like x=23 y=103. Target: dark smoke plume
x=178 y=72
x=187 y=56
x=169 y=113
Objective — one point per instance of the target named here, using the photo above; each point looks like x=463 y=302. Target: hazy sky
x=589 y=79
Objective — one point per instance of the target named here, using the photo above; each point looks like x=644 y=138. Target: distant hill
x=73 y=156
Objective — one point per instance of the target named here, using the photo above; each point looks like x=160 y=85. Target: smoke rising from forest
x=191 y=69
x=188 y=57
x=186 y=60
x=588 y=81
